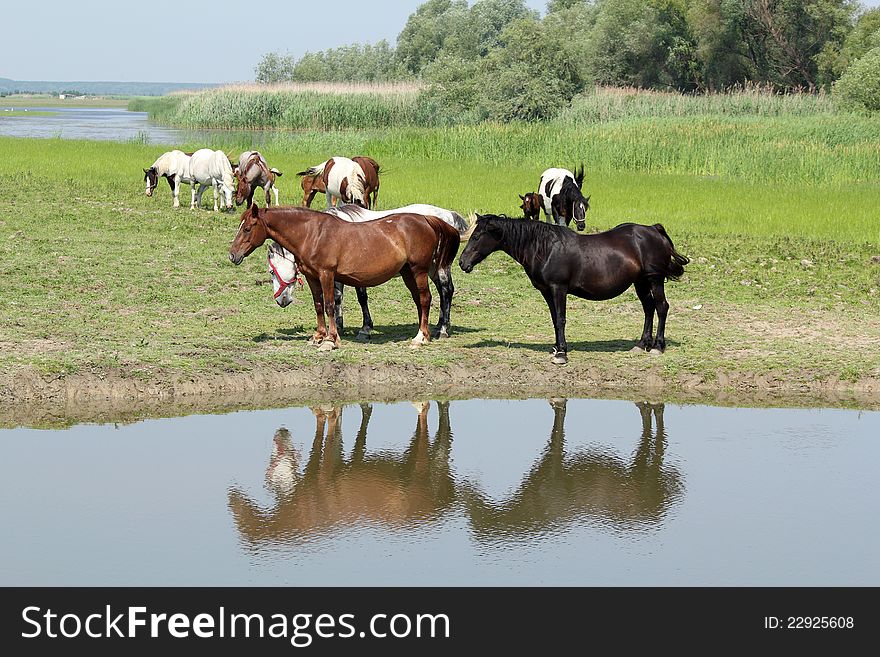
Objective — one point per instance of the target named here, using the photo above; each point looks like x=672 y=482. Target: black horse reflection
x=401 y=489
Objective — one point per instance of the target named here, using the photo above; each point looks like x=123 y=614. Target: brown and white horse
x=351 y=181
x=329 y=250
x=252 y=172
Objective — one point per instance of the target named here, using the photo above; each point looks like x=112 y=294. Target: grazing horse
x=329 y=249
x=595 y=267
x=282 y=266
x=212 y=168
x=174 y=166
x=560 y=197
x=253 y=172
x=311 y=186
x=344 y=180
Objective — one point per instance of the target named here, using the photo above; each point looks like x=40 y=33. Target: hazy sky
x=167 y=41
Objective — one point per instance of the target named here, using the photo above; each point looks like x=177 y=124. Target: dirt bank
x=33 y=399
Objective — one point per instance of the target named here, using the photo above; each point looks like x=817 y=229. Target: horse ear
x=255 y=210
x=522 y=198
x=146 y=171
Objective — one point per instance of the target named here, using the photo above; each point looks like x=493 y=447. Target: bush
x=859 y=88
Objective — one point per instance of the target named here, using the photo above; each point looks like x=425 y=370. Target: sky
x=167 y=41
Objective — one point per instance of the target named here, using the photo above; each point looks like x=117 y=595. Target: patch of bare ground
x=29 y=398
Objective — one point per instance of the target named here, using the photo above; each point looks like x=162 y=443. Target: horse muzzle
x=236 y=258
x=466 y=267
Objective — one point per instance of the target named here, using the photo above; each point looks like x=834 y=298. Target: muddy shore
x=28 y=398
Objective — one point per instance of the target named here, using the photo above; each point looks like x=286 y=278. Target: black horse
x=598 y=267
x=560 y=196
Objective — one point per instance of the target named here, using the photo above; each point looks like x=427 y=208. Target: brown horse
x=312 y=186
x=328 y=249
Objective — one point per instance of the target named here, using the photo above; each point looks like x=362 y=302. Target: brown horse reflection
x=389 y=489
x=594 y=485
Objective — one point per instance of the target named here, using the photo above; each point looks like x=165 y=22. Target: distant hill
x=8 y=86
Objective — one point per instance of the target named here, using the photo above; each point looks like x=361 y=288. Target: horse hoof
x=327 y=346
x=363 y=336
x=656 y=352
x=314 y=342
x=443 y=334
x=560 y=359
x=637 y=350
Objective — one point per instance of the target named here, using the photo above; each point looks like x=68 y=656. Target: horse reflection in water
x=388 y=489
x=402 y=489
x=590 y=485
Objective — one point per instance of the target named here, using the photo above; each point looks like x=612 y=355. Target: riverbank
x=115 y=300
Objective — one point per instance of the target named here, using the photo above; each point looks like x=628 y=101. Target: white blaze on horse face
x=282 y=267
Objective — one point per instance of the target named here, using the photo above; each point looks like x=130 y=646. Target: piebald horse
x=174 y=166
x=599 y=267
x=349 y=181
x=311 y=186
x=560 y=197
x=212 y=169
x=329 y=249
x=253 y=172
x=282 y=266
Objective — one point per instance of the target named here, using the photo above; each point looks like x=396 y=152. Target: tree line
x=499 y=59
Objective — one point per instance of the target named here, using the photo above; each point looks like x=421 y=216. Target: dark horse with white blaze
x=329 y=250
x=598 y=267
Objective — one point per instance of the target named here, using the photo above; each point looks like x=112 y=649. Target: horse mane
x=522 y=236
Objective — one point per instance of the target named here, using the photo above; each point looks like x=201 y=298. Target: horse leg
x=274 y=190
x=556 y=299
x=659 y=293
x=338 y=293
x=175 y=191
x=421 y=294
x=318 y=296
x=643 y=289
x=216 y=189
x=309 y=197
x=332 y=341
x=443 y=280
x=367 y=327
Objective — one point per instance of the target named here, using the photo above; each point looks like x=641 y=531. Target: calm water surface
x=109 y=124
x=473 y=492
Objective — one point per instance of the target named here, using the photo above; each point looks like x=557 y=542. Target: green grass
x=54 y=101
x=98 y=278
x=31 y=113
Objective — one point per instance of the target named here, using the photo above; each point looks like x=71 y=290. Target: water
x=470 y=493
x=102 y=124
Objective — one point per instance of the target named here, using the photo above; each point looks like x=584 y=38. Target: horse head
x=151 y=177
x=251 y=235
x=242 y=189
x=579 y=212
x=284 y=272
x=483 y=241
x=531 y=205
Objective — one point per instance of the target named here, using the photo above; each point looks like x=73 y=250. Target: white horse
x=285 y=273
x=174 y=166
x=345 y=180
x=212 y=168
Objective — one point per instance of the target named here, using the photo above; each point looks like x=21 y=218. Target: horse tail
x=579 y=177
x=460 y=223
x=449 y=241
x=276 y=172
x=674 y=269
x=314 y=171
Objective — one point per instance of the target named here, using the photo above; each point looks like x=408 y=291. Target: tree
x=274 y=68
x=859 y=87
x=864 y=37
x=426 y=30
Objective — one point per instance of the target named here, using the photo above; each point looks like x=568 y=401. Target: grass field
x=100 y=281
x=37 y=100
